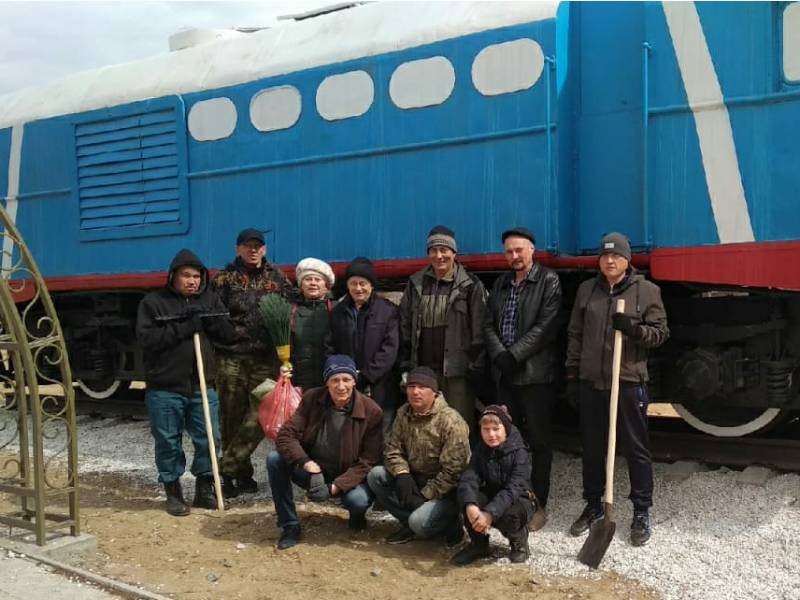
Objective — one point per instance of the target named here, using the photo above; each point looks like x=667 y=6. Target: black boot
x=478 y=548
x=176 y=505
x=246 y=485
x=204 y=496
x=519 y=545
x=229 y=489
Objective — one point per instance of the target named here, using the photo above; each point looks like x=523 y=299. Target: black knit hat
x=522 y=232
x=441 y=236
x=501 y=412
x=423 y=376
x=361 y=267
x=615 y=243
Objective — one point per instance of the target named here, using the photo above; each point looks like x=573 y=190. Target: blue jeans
x=430 y=519
x=169 y=414
x=281 y=475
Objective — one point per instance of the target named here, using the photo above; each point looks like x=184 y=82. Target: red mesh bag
x=278 y=406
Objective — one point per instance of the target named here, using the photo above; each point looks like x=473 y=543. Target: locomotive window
x=507 y=67
x=275 y=108
x=791 y=42
x=212 y=119
x=425 y=82
x=345 y=95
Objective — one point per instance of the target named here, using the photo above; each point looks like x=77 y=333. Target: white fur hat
x=307 y=266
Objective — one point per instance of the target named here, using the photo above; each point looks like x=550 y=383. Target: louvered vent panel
x=128 y=171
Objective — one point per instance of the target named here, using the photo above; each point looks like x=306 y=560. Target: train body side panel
x=5 y=150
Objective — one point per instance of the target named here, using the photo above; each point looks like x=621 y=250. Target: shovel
x=212 y=450
x=602 y=531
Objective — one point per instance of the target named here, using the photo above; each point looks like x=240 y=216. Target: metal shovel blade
x=600 y=535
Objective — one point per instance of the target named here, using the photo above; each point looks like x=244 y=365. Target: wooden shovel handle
x=616 y=361
x=212 y=449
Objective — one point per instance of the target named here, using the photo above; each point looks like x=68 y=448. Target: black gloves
x=506 y=362
x=405 y=487
x=416 y=500
x=573 y=393
x=626 y=324
x=317 y=488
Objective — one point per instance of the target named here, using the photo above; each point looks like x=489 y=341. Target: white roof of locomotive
x=332 y=38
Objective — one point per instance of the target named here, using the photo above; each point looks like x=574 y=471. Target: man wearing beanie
x=246 y=361
x=365 y=327
x=590 y=343
x=310 y=322
x=441 y=323
x=495 y=490
x=426 y=451
x=520 y=331
x=328 y=448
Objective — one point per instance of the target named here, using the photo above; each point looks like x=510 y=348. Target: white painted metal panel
x=507 y=67
x=425 y=82
x=791 y=42
x=345 y=95
x=213 y=119
x=275 y=108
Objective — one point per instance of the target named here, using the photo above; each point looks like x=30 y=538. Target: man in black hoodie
x=167 y=321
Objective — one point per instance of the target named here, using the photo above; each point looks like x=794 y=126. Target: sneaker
x=640 y=528
x=289 y=537
x=357 y=522
x=229 y=489
x=246 y=485
x=401 y=536
x=590 y=514
x=470 y=554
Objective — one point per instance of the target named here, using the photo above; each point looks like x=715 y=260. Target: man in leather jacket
x=520 y=330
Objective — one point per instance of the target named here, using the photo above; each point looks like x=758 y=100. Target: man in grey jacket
x=520 y=330
x=589 y=348
x=441 y=323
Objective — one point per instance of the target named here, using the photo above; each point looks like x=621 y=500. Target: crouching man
x=495 y=490
x=327 y=447
x=165 y=327
x=426 y=452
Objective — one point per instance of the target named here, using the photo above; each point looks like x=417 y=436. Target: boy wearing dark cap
x=520 y=330
x=590 y=341
x=441 y=323
x=494 y=491
x=248 y=360
x=327 y=447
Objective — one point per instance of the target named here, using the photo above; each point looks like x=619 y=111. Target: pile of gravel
x=714 y=537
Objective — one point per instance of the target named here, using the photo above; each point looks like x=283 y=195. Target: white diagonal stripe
x=712 y=121
x=14 y=162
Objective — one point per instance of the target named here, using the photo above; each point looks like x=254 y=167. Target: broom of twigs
x=276 y=314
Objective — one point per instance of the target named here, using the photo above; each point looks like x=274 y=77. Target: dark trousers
x=531 y=408
x=513 y=523
x=631 y=433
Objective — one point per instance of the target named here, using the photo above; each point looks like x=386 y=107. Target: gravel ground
x=713 y=536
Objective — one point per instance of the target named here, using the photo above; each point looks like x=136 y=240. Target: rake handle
x=616 y=363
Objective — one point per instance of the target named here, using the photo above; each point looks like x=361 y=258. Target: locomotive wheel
x=99 y=390
x=733 y=422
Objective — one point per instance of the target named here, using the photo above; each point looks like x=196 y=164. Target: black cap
x=522 y=232
x=423 y=376
x=249 y=234
x=361 y=267
x=615 y=243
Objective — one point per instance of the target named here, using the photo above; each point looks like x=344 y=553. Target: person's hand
x=473 y=512
x=506 y=362
x=626 y=324
x=573 y=392
x=334 y=490
x=405 y=487
x=312 y=467
x=483 y=522
x=317 y=488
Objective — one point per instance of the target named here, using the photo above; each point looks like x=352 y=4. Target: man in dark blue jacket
x=165 y=327
x=494 y=491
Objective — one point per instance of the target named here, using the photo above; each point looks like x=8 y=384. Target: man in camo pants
x=247 y=361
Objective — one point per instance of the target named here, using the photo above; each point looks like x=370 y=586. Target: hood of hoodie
x=187 y=258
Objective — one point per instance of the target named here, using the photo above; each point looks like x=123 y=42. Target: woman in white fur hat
x=311 y=321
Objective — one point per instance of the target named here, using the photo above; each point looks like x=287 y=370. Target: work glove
x=573 y=393
x=506 y=362
x=405 y=487
x=317 y=488
x=415 y=501
x=626 y=324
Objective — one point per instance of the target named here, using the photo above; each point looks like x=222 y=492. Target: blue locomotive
x=353 y=132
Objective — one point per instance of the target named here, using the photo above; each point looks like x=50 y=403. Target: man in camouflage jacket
x=248 y=360
x=424 y=456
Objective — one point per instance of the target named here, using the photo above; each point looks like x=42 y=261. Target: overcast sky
x=43 y=41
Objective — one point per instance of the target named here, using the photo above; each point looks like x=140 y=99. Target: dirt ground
x=230 y=556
